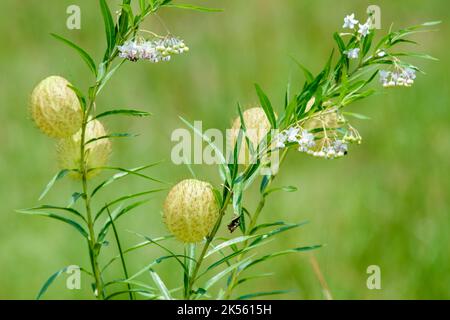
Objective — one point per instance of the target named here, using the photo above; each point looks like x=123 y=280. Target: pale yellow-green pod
x=97 y=153
x=191 y=210
x=55 y=108
x=257 y=126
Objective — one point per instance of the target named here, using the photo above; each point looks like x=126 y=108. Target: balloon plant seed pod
x=191 y=210
x=55 y=108
x=97 y=152
x=256 y=126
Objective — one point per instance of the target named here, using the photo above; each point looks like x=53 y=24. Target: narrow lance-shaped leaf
x=70 y=222
x=83 y=54
x=49 y=282
x=109 y=27
x=57 y=177
x=160 y=284
x=267 y=106
x=125 y=112
x=193 y=7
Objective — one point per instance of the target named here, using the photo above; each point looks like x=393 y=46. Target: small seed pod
x=257 y=126
x=191 y=210
x=55 y=108
x=96 y=153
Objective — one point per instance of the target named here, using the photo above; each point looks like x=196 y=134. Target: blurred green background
x=385 y=204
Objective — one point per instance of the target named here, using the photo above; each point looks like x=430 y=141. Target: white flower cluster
x=401 y=77
x=363 y=29
x=153 y=51
x=306 y=143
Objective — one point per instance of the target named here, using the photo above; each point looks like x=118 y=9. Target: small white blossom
x=364 y=29
x=353 y=53
x=280 y=141
x=381 y=54
x=306 y=141
x=292 y=134
x=350 y=21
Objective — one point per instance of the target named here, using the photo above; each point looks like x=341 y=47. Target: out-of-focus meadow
x=386 y=204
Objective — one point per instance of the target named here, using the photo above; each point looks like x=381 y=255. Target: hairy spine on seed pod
x=191 y=210
x=257 y=126
x=97 y=152
x=55 y=108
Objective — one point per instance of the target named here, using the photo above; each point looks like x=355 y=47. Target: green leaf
x=267 y=225
x=74 y=198
x=277 y=231
x=160 y=284
x=69 y=210
x=223 y=167
x=356 y=115
x=285 y=189
x=109 y=27
x=143 y=5
x=136 y=247
x=80 y=96
x=193 y=7
x=261 y=294
x=84 y=55
x=281 y=253
x=124 y=198
x=120 y=213
x=257 y=276
x=49 y=282
x=70 y=222
x=123 y=173
x=340 y=42
x=228 y=243
x=415 y=55
x=122 y=258
x=223 y=273
x=126 y=112
x=57 y=177
x=112 y=136
x=267 y=106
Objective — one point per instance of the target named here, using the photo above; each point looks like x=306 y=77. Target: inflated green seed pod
x=97 y=153
x=191 y=210
x=257 y=126
x=55 y=108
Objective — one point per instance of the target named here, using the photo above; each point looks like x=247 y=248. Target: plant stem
x=122 y=258
x=209 y=239
x=87 y=200
x=253 y=222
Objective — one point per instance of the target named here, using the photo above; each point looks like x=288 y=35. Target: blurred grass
x=385 y=204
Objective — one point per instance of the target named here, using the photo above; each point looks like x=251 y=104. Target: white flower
x=350 y=21
x=153 y=51
x=381 y=54
x=280 y=141
x=340 y=147
x=306 y=141
x=353 y=53
x=291 y=134
x=364 y=29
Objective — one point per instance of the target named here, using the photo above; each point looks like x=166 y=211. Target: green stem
x=122 y=258
x=87 y=200
x=253 y=222
x=209 y=239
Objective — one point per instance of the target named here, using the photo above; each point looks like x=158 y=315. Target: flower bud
x=257 y=126
x=191 y=210
x=55 y=108
x=96 y=153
